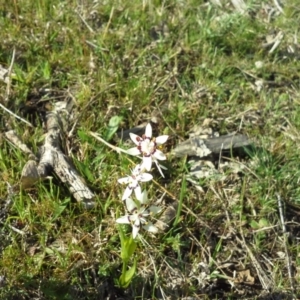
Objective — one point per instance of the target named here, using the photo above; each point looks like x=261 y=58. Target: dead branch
x=196 y=146
x=12 y=136
x=52 y=159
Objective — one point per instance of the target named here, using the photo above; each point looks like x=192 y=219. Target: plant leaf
x=59 y=208
x=113 y=126
x=126 y=278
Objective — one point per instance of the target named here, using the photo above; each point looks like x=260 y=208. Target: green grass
x=177 y=63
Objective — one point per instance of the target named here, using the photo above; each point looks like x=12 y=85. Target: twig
x=109 y=21
x=16 y=230
x=277 y=41
x=9 y=75
x=280 y=208
x=8 y=81
x=85 y=23
x=285 y=239
x=15 y=140
x=265 y=281
x=16 y=116
x=263 y=278
x=96 y=46
x=278 y=6
x=97 y=137
x=5 y=208
x=239 y=5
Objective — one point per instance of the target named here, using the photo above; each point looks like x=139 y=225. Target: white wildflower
x=147 y=146
x=132 y=181
x=138 y=214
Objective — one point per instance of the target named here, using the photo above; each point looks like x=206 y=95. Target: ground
x=223 y=66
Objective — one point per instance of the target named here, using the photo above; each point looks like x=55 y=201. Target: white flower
x=138 y=214
x=147 y=146
x=132 y=182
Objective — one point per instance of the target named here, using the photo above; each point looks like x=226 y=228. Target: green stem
x=124 y=269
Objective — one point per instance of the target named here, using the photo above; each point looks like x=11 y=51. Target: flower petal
x=137 y=170
x=161 y=139
x=147 y=162
x=144 y=198
x=145 y=177
x=133 y=151
x=148 y=131
x=133 y=184
x=136 y=227
x=150 y=227
x=123 y=220
x=155 y=209
x=159 y=155
x=124 y=180
x=138 y=192
x=144 y=214
x=135 y=138
x=130 y=204
x=137 y=223
x=127 y=193
x=133 y=218
x=135 y=231
x=159 y=169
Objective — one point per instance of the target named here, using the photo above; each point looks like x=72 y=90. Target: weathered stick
x=202 y=147
x=52 y=159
